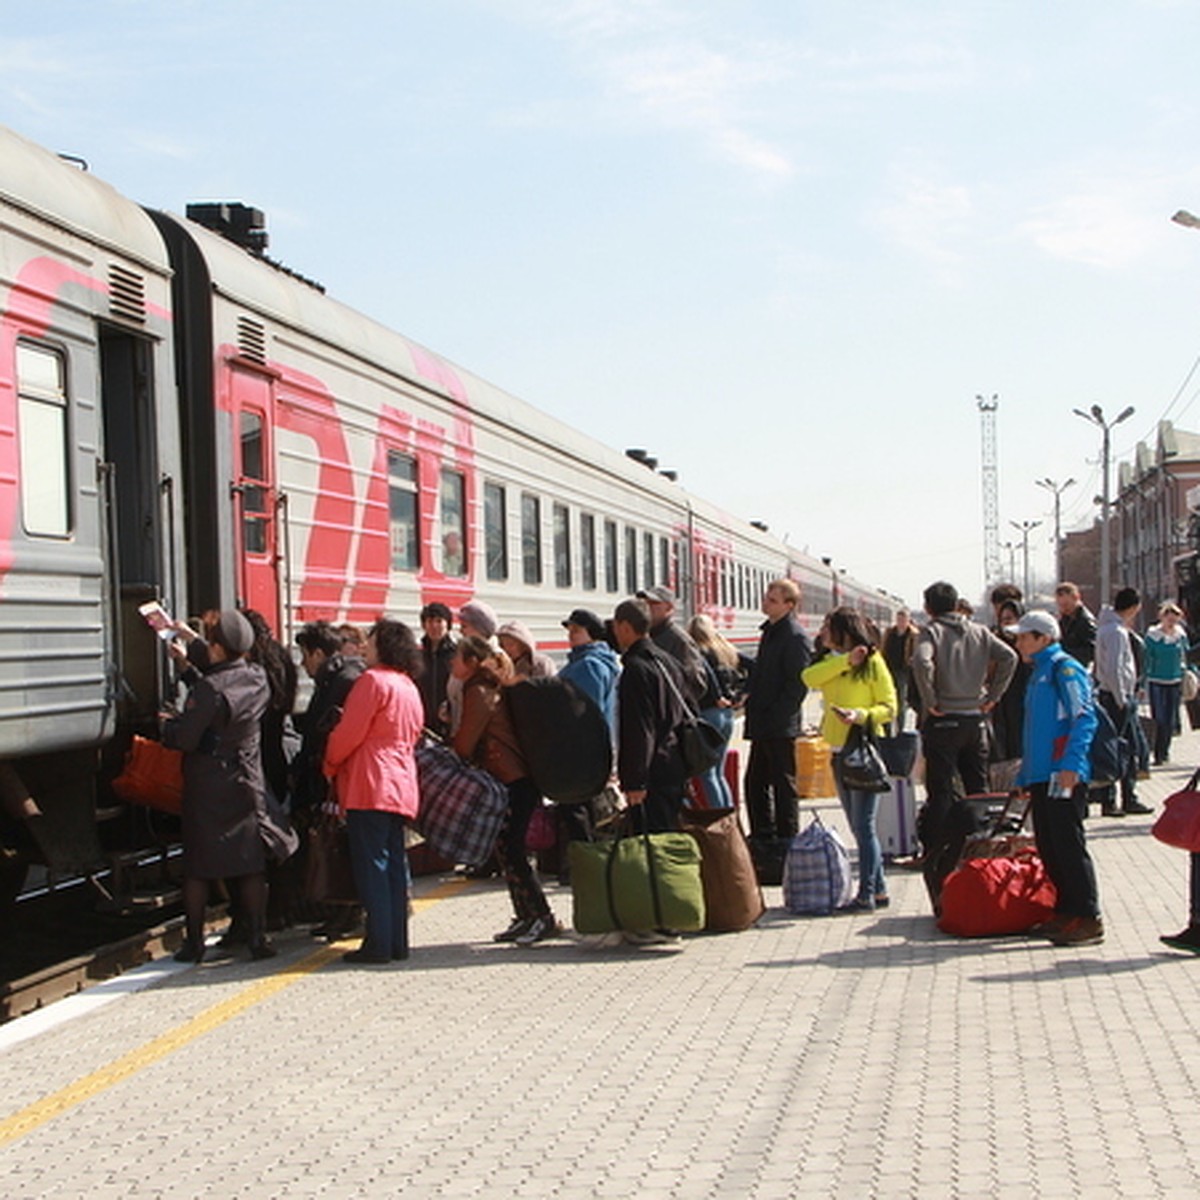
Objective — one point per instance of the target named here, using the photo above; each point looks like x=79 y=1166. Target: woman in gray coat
x=228 y=831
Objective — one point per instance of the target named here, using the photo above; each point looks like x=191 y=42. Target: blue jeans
x=861 y=809
x=715 y=785
x=1164 y=708
x=380 y=864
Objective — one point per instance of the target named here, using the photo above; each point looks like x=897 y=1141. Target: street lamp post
x=1057 y=489
x=1026 y=527
x=1011 y=547
x=1096 y=416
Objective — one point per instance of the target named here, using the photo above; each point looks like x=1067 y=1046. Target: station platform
x=846 y=1056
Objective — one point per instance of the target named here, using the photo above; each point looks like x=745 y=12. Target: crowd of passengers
x=250 y=791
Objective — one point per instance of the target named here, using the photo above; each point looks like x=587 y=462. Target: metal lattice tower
x=991 y=488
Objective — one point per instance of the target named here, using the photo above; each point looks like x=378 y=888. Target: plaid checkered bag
x=462 y=807
x=816 y=872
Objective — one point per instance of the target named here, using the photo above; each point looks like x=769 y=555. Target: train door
x=138 y=499
x=254 y=493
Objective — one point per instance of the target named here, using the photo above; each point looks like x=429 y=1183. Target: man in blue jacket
x=1060 y=722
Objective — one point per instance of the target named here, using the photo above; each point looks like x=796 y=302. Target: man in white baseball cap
x=1060 y=722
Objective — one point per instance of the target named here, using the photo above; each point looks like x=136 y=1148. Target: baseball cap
x=1036 y=622
x=657 y=595
x=586 y=619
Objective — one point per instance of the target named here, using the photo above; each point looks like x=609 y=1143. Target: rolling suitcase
x=896 y=820
x=972 y=817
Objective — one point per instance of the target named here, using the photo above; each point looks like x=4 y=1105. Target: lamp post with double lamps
x=1057 y=489
x=1096 y=415
x=1026 y=527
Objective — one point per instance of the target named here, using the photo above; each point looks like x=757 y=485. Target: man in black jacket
x=650 y=711
x=773 y=714
x=437 y=651
x=1077 y=625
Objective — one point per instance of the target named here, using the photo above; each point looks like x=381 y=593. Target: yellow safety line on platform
x=54 y=1105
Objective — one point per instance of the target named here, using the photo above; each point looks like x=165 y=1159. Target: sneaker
x=882 y=900
x=1135 y=808
x=1078 y=931
x=519 y=926
x=858 y=904
x=651 y=937
x=1188 y=940
x=540 y=928
x=1111 y=810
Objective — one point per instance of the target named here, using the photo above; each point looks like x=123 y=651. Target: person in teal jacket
x=1165 y=663
x=1060 y=722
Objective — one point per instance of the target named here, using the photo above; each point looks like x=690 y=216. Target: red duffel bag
x=991 y=897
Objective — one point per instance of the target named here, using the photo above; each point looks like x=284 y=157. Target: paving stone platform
x=848 y=1056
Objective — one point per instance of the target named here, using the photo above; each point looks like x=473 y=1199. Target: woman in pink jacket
x=369 y=757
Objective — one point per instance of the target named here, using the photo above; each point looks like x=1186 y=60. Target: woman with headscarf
x=228 y=829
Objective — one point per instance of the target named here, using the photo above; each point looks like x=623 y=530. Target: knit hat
x=481 y=616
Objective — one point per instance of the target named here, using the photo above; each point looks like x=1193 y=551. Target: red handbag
x=992 y=897
x=1179 y=822
x=152 y=775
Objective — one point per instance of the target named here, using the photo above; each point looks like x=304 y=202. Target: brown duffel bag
x=733 y=899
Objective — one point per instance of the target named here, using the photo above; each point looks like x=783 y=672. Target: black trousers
x=1058 y=829
x=771 y=788
x=956 y=755
x=524 y=889
x=1125 y=718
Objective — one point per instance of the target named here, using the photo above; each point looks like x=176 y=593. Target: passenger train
x=183 y=420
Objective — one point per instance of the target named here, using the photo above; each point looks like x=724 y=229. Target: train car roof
x=243 y=278
x=38 y=182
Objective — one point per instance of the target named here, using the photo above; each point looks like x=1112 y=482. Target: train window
x=402 y=511
x=452 y=504
x=42 y=419
x=254 y=492
x=587 y=551
x=631 y=576
x=561 y=515
x=664 y=561
x=648 y=553
x=531 y=538
x=612 y=580
x=495 y=531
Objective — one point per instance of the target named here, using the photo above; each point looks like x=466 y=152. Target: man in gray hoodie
x=960 y=669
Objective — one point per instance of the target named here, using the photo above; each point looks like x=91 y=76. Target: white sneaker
x=651 y=937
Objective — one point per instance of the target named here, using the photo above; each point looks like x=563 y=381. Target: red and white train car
x=181 y=419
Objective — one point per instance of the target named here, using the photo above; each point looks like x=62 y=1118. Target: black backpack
x=564 y=738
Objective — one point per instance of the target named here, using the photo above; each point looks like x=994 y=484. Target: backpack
x=564 y=738
x=1109 y=751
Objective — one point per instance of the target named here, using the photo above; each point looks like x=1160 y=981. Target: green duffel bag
x=644 y=881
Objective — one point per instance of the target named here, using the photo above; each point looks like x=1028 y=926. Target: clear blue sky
x=782 y=244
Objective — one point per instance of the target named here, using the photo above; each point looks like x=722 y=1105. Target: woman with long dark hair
x=370 y=757
x=485 y=737
x=858 y=690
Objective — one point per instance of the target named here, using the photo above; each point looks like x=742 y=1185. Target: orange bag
x=814 y=769
x=152 y=775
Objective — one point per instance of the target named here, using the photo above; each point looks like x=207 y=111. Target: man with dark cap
x=670 y=636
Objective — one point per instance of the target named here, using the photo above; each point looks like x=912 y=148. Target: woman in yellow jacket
x=857 y=687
